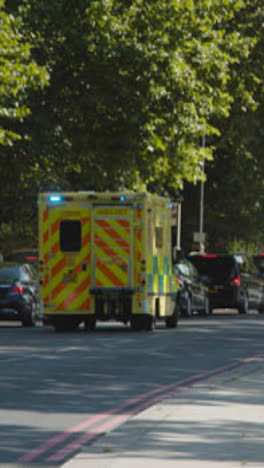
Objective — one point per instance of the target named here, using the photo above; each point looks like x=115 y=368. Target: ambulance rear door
x=112 y=241
x=66 y=257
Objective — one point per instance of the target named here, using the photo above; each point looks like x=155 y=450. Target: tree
x=18 y=75
x=134 y=85
x=234 y=199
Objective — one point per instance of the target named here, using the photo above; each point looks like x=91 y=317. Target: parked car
x=232 y=279
x=192 y=293
x=259 y=262
x=19 y=297
x=28 y=255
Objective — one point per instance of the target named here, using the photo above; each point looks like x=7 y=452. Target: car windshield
x=9 y=273
x=259 y=262
x=215 y=269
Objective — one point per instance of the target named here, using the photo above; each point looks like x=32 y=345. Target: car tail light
x=209 y=256
x=17 y=289
x=236 y=281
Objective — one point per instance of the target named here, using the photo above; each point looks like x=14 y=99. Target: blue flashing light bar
x=55 y=198
x=122 y=198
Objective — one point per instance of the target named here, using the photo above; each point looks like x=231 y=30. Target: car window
x=9 y=273
x=31 y=272
x=181 y=268
x=193 y=272
x=215 y=268
x=25 y=275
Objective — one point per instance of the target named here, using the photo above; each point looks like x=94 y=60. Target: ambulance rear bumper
x=114 y=291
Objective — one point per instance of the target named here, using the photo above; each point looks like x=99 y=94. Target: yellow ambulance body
x=106 y=256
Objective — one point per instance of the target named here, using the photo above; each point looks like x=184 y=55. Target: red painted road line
x=76 y=444
x=117 y=420
x=29 y=456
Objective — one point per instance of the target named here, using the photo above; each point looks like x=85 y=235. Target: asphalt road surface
x=60 y=391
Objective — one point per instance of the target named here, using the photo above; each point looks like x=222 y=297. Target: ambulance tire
x=90 y=323
x=136 y=323
x=172 y=321
x=149 y=323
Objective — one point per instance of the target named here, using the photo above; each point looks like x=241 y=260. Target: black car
x=192 y=293
x=233 y=281
x=19 y=298
x=29 y=255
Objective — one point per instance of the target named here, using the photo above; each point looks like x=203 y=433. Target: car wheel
x=188 y=306
x=30 y=316
x=207 y=308
x=243 y=306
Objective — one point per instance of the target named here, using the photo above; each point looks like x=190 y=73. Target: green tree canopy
x=134 y=84
x=18 y=75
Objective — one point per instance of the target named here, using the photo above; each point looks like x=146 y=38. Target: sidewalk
x=218 y=423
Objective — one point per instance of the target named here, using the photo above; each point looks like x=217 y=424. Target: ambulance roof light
x=118 y=198
x=55 y=198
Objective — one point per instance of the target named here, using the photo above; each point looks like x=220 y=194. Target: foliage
x=133 y=87
x=18 y=74
x=234 y=188
x=240 y=246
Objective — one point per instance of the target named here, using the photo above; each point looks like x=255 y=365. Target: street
x=57 y=387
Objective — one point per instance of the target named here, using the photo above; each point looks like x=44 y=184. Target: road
x=61 y=390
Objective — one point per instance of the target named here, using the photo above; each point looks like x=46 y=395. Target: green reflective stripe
x=161 y=285
x=150 y=283
x=155 y=266
x=166 y=266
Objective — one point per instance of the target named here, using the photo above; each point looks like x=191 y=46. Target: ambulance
x=106 y=256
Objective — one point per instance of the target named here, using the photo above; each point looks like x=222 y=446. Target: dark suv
x=233 y=281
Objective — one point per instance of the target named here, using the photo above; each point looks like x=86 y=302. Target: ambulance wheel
x=136 y=323
x=172 y=321
x=90 y=323
x=149 y=323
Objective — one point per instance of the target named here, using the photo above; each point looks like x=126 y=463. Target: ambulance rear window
x=70 y=236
